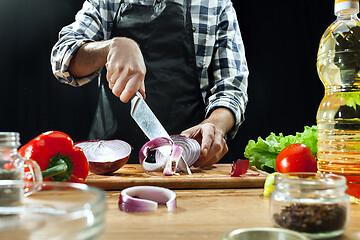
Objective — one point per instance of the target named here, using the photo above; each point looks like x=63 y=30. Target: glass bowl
x=58 y=211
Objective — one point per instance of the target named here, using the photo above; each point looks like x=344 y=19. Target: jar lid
x=264 y=233
x=10 y=139
x=346 y=4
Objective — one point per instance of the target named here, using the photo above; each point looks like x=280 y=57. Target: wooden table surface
x=201 y=214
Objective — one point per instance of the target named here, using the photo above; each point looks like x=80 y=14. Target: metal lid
x=267 y=233
x=10 y=139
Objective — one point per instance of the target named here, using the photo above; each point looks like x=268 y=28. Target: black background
x=281 y=40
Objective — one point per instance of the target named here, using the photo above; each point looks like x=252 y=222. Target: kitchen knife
x=147 y=120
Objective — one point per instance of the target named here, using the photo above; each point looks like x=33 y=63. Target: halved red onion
x=239 y=167
x=105 y=156
x=146 y=199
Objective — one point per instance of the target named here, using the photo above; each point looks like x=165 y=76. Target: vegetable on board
x=105 y=156
x=184 y=152
x=58 y=158
x=263 y=152
x=239 y=167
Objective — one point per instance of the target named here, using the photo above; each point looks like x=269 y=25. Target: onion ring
x=146 y=199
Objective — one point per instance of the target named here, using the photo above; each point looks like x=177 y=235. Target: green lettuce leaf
x=262 y=153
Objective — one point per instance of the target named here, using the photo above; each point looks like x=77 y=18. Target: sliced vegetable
x=296 y=157
x=105 y=156
x=269 y=184
x=171 y=166
x=146 y=199
x=187 y=148
x=57 y=157
x=160 y=160
x=263 y=153
x=239 y=167
x=191 y=148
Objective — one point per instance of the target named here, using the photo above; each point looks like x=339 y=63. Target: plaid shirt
x=219 y=50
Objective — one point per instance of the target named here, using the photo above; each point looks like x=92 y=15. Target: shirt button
x=193 y=29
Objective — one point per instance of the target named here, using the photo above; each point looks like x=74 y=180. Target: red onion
x=172 y=163
x=189 y=150
x=146 y=199
x=105 y=156
x=160 y=159
x=191 y=147
x=240 y=167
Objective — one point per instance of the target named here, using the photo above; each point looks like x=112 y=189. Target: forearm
x=89 y=58
x=222 y=118
x=229 y=90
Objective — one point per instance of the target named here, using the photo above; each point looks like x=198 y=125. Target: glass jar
x=12 y=186
x=314 y=204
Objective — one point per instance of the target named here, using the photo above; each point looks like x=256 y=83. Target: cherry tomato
x=296 y=157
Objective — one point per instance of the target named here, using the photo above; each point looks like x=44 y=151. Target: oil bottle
x=338 y=116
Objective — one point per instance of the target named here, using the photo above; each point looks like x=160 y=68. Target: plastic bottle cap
x=346 y=4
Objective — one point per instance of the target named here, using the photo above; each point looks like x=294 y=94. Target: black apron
x=164 y=33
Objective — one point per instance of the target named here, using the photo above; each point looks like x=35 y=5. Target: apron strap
x=188 y=5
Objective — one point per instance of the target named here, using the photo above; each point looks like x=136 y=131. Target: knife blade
x=147 y=120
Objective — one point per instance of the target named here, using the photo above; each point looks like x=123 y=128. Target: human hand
x=125 y=68
x=212 y=142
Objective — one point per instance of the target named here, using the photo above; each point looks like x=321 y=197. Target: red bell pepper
x=58 y=158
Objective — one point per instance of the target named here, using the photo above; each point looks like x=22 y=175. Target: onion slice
x=240 y=167
x=105 y=156
x=151 y=146
x=191 y=148
x=146 y=199
x=183 y=152
x=173 y=161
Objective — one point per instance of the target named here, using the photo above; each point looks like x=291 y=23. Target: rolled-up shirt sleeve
x=229 y=70
x=87 y=27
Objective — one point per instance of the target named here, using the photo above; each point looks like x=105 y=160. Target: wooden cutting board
x=218 y=176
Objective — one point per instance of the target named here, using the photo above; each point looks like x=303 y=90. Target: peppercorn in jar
x=311 y=203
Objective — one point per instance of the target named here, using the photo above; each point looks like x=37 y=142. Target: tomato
x=296 y=157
